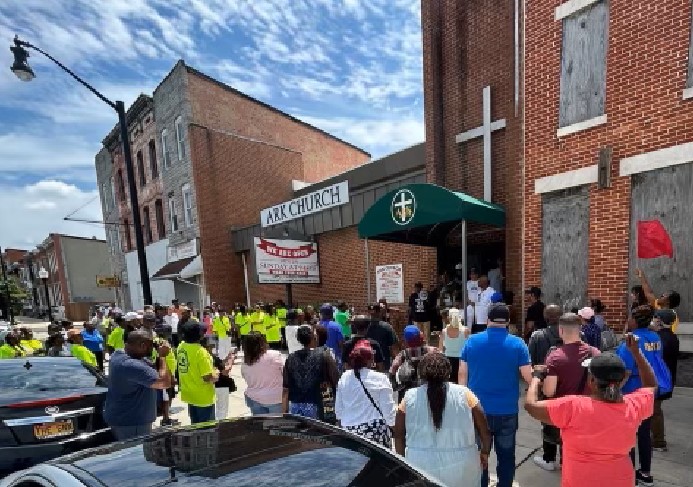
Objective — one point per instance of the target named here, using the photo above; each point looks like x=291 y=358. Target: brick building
x=113 y=185
x=609 y=142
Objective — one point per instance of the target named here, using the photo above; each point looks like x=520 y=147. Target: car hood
x=288 y=450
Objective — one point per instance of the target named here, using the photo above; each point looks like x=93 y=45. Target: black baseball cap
x=498 y=313
x=534 y=291
x=607 y=367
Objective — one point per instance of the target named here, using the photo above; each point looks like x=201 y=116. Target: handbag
x=326 y=406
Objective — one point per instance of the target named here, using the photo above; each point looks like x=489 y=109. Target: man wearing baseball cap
x=489 y=365
x=335 y=338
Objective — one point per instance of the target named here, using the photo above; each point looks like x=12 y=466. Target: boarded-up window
x=583 y=64
x=690 y=56
x=665 y=195
x=565 y=241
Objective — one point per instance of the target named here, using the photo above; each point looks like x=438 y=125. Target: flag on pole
x=653 y=240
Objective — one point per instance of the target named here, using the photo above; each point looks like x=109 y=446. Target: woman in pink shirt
x=263 y=371
x=598 y=431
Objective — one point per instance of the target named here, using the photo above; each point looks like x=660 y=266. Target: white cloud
x=40 y=153
x=39 y=208
x=40 y=205
x=381 y=136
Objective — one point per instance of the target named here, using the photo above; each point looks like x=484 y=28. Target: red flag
x=653 y=240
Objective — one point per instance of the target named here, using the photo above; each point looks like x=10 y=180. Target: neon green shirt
x=84 y=354
x=257 y=319
x=281 y=316
x=194 y=362
x=243 y=323
x=272 y=330
x=221 y=326
x=117 y=338
x=342 y=317
x=8 y=351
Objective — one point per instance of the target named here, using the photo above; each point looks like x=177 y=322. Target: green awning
x=422 y=214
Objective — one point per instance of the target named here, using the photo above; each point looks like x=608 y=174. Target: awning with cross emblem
x=422 y=214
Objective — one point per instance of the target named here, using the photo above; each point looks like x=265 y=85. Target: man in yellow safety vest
x=272 y=331
x=281 y=318
x=242 y=324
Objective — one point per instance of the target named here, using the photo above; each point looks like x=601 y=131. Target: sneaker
x=662 y=447
x=169 y=422
x=548 y=466
x=643 y=479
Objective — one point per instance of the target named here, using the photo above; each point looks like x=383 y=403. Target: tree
x=17 y=297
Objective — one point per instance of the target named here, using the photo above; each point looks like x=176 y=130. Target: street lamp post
x=23 y=71
x=43 y=275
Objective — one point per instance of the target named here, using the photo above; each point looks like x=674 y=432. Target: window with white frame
x=179 y=138
x=689 y=83
x=583 y=63
x=173 y=218
x=104 y=197
x=187 y=205
x=164 y=148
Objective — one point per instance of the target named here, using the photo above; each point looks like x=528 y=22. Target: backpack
x=407 y=375
x=609 y=341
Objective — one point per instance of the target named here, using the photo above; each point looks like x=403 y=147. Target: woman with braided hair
x=437 y=424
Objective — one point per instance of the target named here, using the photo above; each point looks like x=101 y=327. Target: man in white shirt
x=481 y=308
x=472 y=289
x=171 y=319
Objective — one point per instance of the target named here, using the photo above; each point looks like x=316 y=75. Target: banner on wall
x=286 y=261
x=389 y=283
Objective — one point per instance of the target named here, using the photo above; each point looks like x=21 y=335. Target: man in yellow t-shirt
x=281 y=318
x=221 y=325
x=241 y=321
x=272 y=331
x=116 y=339
x=11 y=348
x=27 y=341
x=257 y=320
x=78 y=350
x=196 y=374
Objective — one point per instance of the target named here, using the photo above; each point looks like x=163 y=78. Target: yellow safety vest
x=272 y=329
x=257 y=320
x=243 y=324
x=281 y=316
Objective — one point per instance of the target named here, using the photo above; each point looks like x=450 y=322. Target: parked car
x=259 y=451
x=49 y=406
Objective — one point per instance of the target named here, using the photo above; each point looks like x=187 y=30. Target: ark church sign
x=313 y=202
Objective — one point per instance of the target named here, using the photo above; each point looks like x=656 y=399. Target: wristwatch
x=538 y=374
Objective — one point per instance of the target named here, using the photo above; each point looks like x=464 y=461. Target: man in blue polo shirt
x=489 y=365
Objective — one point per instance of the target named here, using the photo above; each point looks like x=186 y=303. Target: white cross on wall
x=402 y=204
x=484 y=130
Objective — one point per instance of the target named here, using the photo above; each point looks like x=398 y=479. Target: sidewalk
x=671 y=469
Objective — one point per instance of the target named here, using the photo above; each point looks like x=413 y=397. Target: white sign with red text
x=389 y=283
x=286 y=261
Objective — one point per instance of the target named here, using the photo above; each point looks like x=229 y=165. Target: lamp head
x=43 y=273
x=21 y=67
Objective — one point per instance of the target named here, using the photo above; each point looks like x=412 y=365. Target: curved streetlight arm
x=19 y=42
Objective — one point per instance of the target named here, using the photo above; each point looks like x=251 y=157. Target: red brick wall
x=646 y=73
x=343 y=270
x=467 y=46
x=231 y=176
x=216 y=107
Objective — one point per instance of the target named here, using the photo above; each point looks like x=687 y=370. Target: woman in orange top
x=598 y=431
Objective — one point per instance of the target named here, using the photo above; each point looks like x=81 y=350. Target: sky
x=350 y=67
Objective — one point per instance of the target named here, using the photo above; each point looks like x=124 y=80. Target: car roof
x=275 y=450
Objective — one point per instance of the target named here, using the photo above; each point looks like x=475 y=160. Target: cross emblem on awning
x=403 y=207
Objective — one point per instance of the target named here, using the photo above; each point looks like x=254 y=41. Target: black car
x=259 y=451
x=49 y=406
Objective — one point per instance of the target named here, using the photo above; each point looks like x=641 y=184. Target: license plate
x=49 y=431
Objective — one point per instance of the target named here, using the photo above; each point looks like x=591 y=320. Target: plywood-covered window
x=583 y=64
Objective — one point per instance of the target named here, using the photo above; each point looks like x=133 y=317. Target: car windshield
x=46 y=375
x=273 y=452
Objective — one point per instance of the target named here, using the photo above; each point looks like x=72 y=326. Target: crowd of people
x=445 y=400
